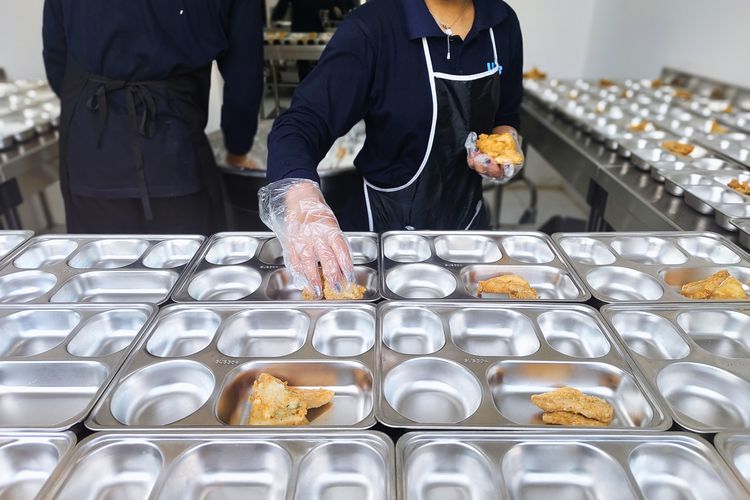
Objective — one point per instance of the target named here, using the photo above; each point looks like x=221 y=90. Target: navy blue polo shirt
x=374 y=68
x=137 y=40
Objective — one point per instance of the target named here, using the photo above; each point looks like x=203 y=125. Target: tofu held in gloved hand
x=497 y=157
x=309 y=234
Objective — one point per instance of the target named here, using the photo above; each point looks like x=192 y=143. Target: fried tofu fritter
x=568 y=399
x=570 y=419
x=535 y=74
x=641 y=126
x=716 y=128
x=678 y=148
x=720 y=286
x=514 y=286
x=274 y=403
x=741 y=187
x=500 y=147
x=350 y=291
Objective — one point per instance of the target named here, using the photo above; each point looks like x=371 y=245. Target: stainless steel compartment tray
x=29 y=459
x=229 y=465
x=96 y=268
x=735 y=449
x=650 y=266
x=448 y=265
x=696 y=357
x=11 y=240
x=249 y=267
x=475 y=366
x=523 y=466
x=195 y=366
x=743 y=228
x=55 y=361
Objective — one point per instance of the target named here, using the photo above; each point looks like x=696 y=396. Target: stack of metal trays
x=196 y=365
x=696 y=357
x=11 y=240
x=170 y=466
x=735 y=145
x=735 y=449
x=543 y=466
x=661 y=170
x=55 y=361
x=475 y=366
x=15 y=130
x=709 y=193
x=28 y=460
x=87 y=268
x=250 y=267
x=449 y=265
x=646 y=152
x=644 y=147
x=614 y=133
x=743 y=228
x=650 y=266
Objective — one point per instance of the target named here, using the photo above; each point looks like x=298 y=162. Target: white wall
x=636 y=38
x=21 y=38
x=556 y=34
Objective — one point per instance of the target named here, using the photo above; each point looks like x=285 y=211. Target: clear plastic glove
x=486 y=166
x=309 y=234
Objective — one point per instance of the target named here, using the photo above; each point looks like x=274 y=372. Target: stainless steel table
x=26 y=170
x=621 y=196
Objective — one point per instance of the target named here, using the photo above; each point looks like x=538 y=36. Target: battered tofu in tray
x=523 y=466
x=735 y=449
x=55 y=361
x=651 y=266
x=89 y=268
x=697 y=357
x=450 y=265
x=196 y=365
x=29 y=459
x=476 y=366
x=228 y=466
x=249 y=267
x=710 y=194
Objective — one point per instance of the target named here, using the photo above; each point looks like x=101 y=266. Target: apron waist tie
x=135 y=94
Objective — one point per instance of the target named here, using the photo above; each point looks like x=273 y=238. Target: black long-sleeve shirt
x=136 y=40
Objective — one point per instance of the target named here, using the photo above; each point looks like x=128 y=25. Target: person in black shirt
x=134 y=80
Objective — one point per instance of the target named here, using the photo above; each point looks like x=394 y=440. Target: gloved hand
x=309 y=234
x=486 y=166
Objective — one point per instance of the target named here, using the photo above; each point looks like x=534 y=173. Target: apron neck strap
x=428 y=56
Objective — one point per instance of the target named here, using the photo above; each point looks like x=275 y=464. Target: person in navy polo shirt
x=133 y=77
x=425 y=75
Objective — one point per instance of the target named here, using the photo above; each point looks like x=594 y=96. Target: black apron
x=444 y=194
x=123 y=134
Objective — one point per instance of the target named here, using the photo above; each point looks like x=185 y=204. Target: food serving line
x=146 y=348
x=29 y=117
x=606 y=138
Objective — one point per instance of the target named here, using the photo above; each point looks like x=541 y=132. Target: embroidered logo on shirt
x=492 y=65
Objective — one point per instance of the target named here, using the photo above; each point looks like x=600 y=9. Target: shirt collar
x=419 y=21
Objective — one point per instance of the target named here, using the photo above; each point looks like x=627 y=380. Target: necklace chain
x=448 y=28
